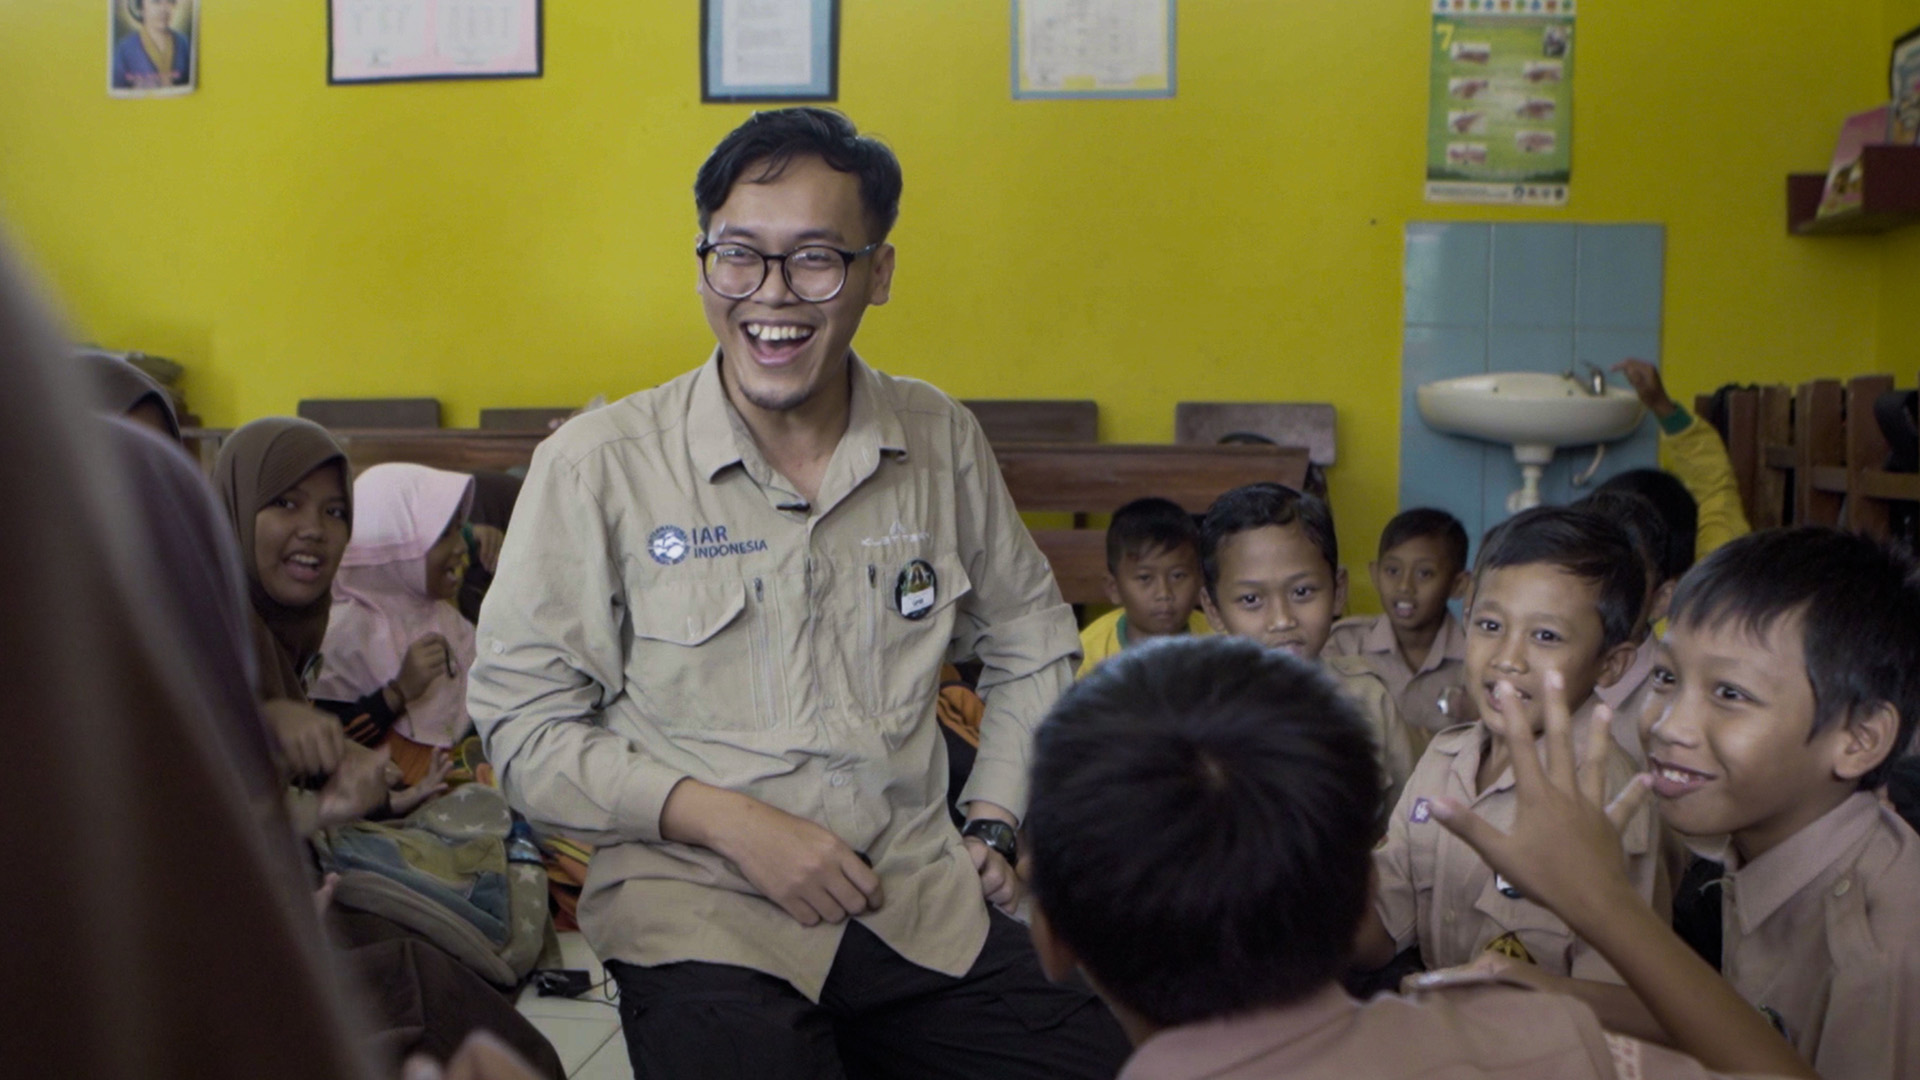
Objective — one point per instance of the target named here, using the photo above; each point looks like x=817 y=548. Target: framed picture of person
x=153 y=47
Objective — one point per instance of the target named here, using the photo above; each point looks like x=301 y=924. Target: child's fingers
x=1593 y=768
x=1559 y=733
x=1629 y=801
x=1469 y=826
x=1520 y=743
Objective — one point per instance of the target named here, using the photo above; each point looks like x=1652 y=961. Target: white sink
x=1531 y=411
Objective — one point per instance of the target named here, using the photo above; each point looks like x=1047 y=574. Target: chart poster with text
x=1500 y=102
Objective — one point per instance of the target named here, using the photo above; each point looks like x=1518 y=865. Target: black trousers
x=879 y=1016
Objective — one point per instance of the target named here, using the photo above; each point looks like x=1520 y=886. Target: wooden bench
x=524 y=419
x=1101 y=478
x=1042 y=477
x=371 y=412
x=1037 y=421
x=1286 y=423
x=1815 y=455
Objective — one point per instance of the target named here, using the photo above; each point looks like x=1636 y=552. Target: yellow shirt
x=1698 y=459
x=1107 y=635
x=667 y=607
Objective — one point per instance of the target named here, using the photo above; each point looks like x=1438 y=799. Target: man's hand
x=310 y=740
x=811 y=873
x=426 y=660
x=486 y=545
x=1564 y=850
x=405 y=800
x=1645 y=379
x=482 y=1057
x=998 y=883
x=358 y=787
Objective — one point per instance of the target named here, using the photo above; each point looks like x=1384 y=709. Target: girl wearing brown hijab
x=120 y=389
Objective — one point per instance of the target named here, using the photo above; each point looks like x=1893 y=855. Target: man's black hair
x=759 y=151
x=1147 y=525
x=1256 y=506
x=1422 y=523
x=1583 y=544
x=1202 y=824
x=1676 y=506
x=1859 y=603
x=1642 y=523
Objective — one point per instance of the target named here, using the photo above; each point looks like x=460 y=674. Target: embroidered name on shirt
x=898 y=534
x=670 y=544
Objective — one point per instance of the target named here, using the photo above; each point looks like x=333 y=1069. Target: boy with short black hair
x=1557 y=591
x=1273 y=574
x=1153 y=578
x=1199 y=827
x=1416 y=644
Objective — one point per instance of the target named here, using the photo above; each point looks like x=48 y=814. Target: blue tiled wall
x=1482 y=298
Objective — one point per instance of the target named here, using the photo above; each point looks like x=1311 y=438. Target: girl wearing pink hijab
x=394 y=631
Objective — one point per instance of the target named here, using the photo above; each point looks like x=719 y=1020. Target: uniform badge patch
x=1421 y=813
x=667 y=544
x=1510 y=946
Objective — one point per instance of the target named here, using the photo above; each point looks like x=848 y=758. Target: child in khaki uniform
x=1787 y=684
x=1199 y=827
x=1415 y=645
x=1273 y=574
x=1657 y=514
x=1555 y=590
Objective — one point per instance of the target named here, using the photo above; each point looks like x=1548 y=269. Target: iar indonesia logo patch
x=670 y=544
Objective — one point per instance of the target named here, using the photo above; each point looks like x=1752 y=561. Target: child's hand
x=1646 y=382
x=310 y=740
x=427 y=659
x=358 y=787
x=405 y=800
x=1493 y=964
x=1564 y=851
x=323 y=896
x=486 y=545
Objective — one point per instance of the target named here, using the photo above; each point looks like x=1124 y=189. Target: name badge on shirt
x=916 y=590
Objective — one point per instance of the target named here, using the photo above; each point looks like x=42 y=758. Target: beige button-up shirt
x=1631 y=696
x=1392 y=741
x=1822 y=933
x=1417 y=692
x=1480 y=1031
x=668 y=607
x=1436 y=890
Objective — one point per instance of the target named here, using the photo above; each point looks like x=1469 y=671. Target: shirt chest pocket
x=908 y=615
x=700 y=657
x=1522 y=929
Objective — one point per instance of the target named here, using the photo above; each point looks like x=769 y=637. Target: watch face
x=997 y=835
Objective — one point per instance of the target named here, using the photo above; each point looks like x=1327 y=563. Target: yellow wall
x=527 y=242
x=1900 y=299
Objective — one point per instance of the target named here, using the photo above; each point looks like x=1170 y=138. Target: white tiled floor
x=586 y=1032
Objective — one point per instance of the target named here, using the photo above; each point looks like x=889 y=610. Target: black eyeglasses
x=815 y=272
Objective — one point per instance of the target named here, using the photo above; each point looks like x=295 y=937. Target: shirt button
x=498 y=648
x=1840 y=887
x=838 y=779
x=826 y=703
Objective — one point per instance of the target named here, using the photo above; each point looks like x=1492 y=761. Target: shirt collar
x=1764 y=885
x=1451 y=644
x=1469 y=752
x=1617 y=694
x=1213 y=1047
x=717 y=437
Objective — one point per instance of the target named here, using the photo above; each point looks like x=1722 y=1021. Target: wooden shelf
x=1890 y=182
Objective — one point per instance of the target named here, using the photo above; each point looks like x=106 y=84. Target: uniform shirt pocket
x=904 y=654
x=691 y=642
x=1523 y=930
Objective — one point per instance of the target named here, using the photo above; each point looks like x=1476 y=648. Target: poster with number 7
x=409 y=40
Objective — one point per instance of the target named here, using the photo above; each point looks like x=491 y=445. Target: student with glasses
x=713 y=647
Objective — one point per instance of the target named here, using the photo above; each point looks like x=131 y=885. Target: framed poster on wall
x=371 y=41
x=1093 y=48
x=769 y=50
x=153 y=47
x=1500 y=102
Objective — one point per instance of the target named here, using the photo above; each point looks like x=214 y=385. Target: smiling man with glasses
x=712 y=650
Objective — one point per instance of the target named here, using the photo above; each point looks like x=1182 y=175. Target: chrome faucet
x=1594 y=384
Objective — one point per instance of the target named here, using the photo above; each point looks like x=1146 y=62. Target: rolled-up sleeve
x=1013 y=621
x=550 y=659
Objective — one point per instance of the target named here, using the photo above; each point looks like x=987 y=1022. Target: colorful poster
x=1093 y=48
x=1500 y=102
x=402 y=40
x=153 y=47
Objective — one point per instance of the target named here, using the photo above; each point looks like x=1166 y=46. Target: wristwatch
x=997 y=835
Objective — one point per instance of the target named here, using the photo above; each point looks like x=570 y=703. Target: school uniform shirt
x=1418 y=692
x=1822 y=934
x=1479 y=1030
x=667 y=606
x=1366 y=689
x=1630 y=697
x=1107 y=635
x=1435 y=890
